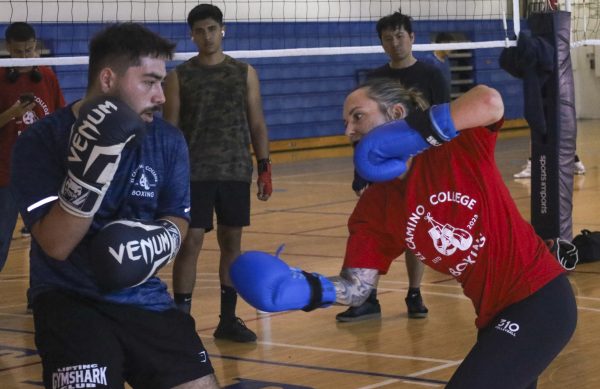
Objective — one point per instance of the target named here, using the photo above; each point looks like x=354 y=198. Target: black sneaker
x=368 y=310
x=416 y=308
x=234 y=329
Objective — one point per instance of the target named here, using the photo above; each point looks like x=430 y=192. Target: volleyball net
x=266 y=28
x=309 y=53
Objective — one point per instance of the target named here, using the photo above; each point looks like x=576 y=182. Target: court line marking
x=349 y=352
x=587 y=309
x=395 y=381
x=336 y=370
x=313 y=173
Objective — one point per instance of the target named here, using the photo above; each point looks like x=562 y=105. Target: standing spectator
x=439 y=58
x=28 y=94
x=216 y=102
x=107 y=175
x=397 y=37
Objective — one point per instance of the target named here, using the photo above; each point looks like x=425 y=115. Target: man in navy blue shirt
x=106 y=197
x=439 y=58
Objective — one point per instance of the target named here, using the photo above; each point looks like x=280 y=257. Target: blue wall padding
x=302 y=96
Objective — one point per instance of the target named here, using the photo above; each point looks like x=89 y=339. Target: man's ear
x=107 y=79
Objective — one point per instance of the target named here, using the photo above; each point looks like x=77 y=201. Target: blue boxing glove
x=98 y=136
x=381 y=155
x=125 y=253
x=269 y=284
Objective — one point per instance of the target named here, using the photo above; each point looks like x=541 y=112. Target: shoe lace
x=415 y=301
x=240 y=323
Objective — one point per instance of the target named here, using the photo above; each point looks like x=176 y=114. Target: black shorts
x=102 y=345
x=230 y=200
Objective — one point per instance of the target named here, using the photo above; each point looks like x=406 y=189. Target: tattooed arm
x=353 y=285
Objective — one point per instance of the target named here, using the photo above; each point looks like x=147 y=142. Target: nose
x=349 y=131
x=159 y=97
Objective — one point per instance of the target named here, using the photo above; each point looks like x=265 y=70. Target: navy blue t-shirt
x=444 y=66
x=426 y=78
x=152 y=181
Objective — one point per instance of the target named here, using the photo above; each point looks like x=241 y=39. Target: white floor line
x=580 y=308
x=428 y=293
x=280 y=182
x=283 y=177
x=350 y=352
x=394 y=381
x=587 y=298
x=416 y=374
x=450 y=284
x=17 y=314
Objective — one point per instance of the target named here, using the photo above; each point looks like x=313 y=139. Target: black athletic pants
x=521 y=341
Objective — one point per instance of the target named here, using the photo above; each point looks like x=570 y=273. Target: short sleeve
x=174 y=198
x=37 y=171
x=371 y=244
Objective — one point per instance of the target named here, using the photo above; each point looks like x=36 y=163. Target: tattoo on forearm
x=353 y=285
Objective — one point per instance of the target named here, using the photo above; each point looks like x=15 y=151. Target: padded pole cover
x=553 y=147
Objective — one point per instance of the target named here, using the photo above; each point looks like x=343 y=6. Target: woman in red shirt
x=449 y=206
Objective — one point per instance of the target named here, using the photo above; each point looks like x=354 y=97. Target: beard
x=148 y=110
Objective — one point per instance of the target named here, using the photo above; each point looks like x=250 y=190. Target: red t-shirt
x=47 y=96
x=454 y=212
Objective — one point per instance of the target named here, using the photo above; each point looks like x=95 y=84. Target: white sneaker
x=526 y=172
x=579 y=168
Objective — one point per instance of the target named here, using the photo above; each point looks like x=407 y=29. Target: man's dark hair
x=121 y=46
x=19 y=32
x=205 y=11
x=443 y=37
x=394 y=21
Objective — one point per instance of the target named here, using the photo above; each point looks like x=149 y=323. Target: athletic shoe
x=416 y=308
x=234 y=329
x=579 y=168
x=526 y=172
x=368 y=310
x=25 y=233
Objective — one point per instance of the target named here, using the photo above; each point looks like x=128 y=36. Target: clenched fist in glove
x=269 y=284
x=125 y=253
x=104 y=126
x=381 y=155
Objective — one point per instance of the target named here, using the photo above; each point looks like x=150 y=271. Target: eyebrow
x=154 y=75
x=352 y=110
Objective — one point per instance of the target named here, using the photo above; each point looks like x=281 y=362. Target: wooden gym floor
x=308 y=213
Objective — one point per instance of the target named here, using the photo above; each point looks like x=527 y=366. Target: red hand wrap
x=264 y=176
